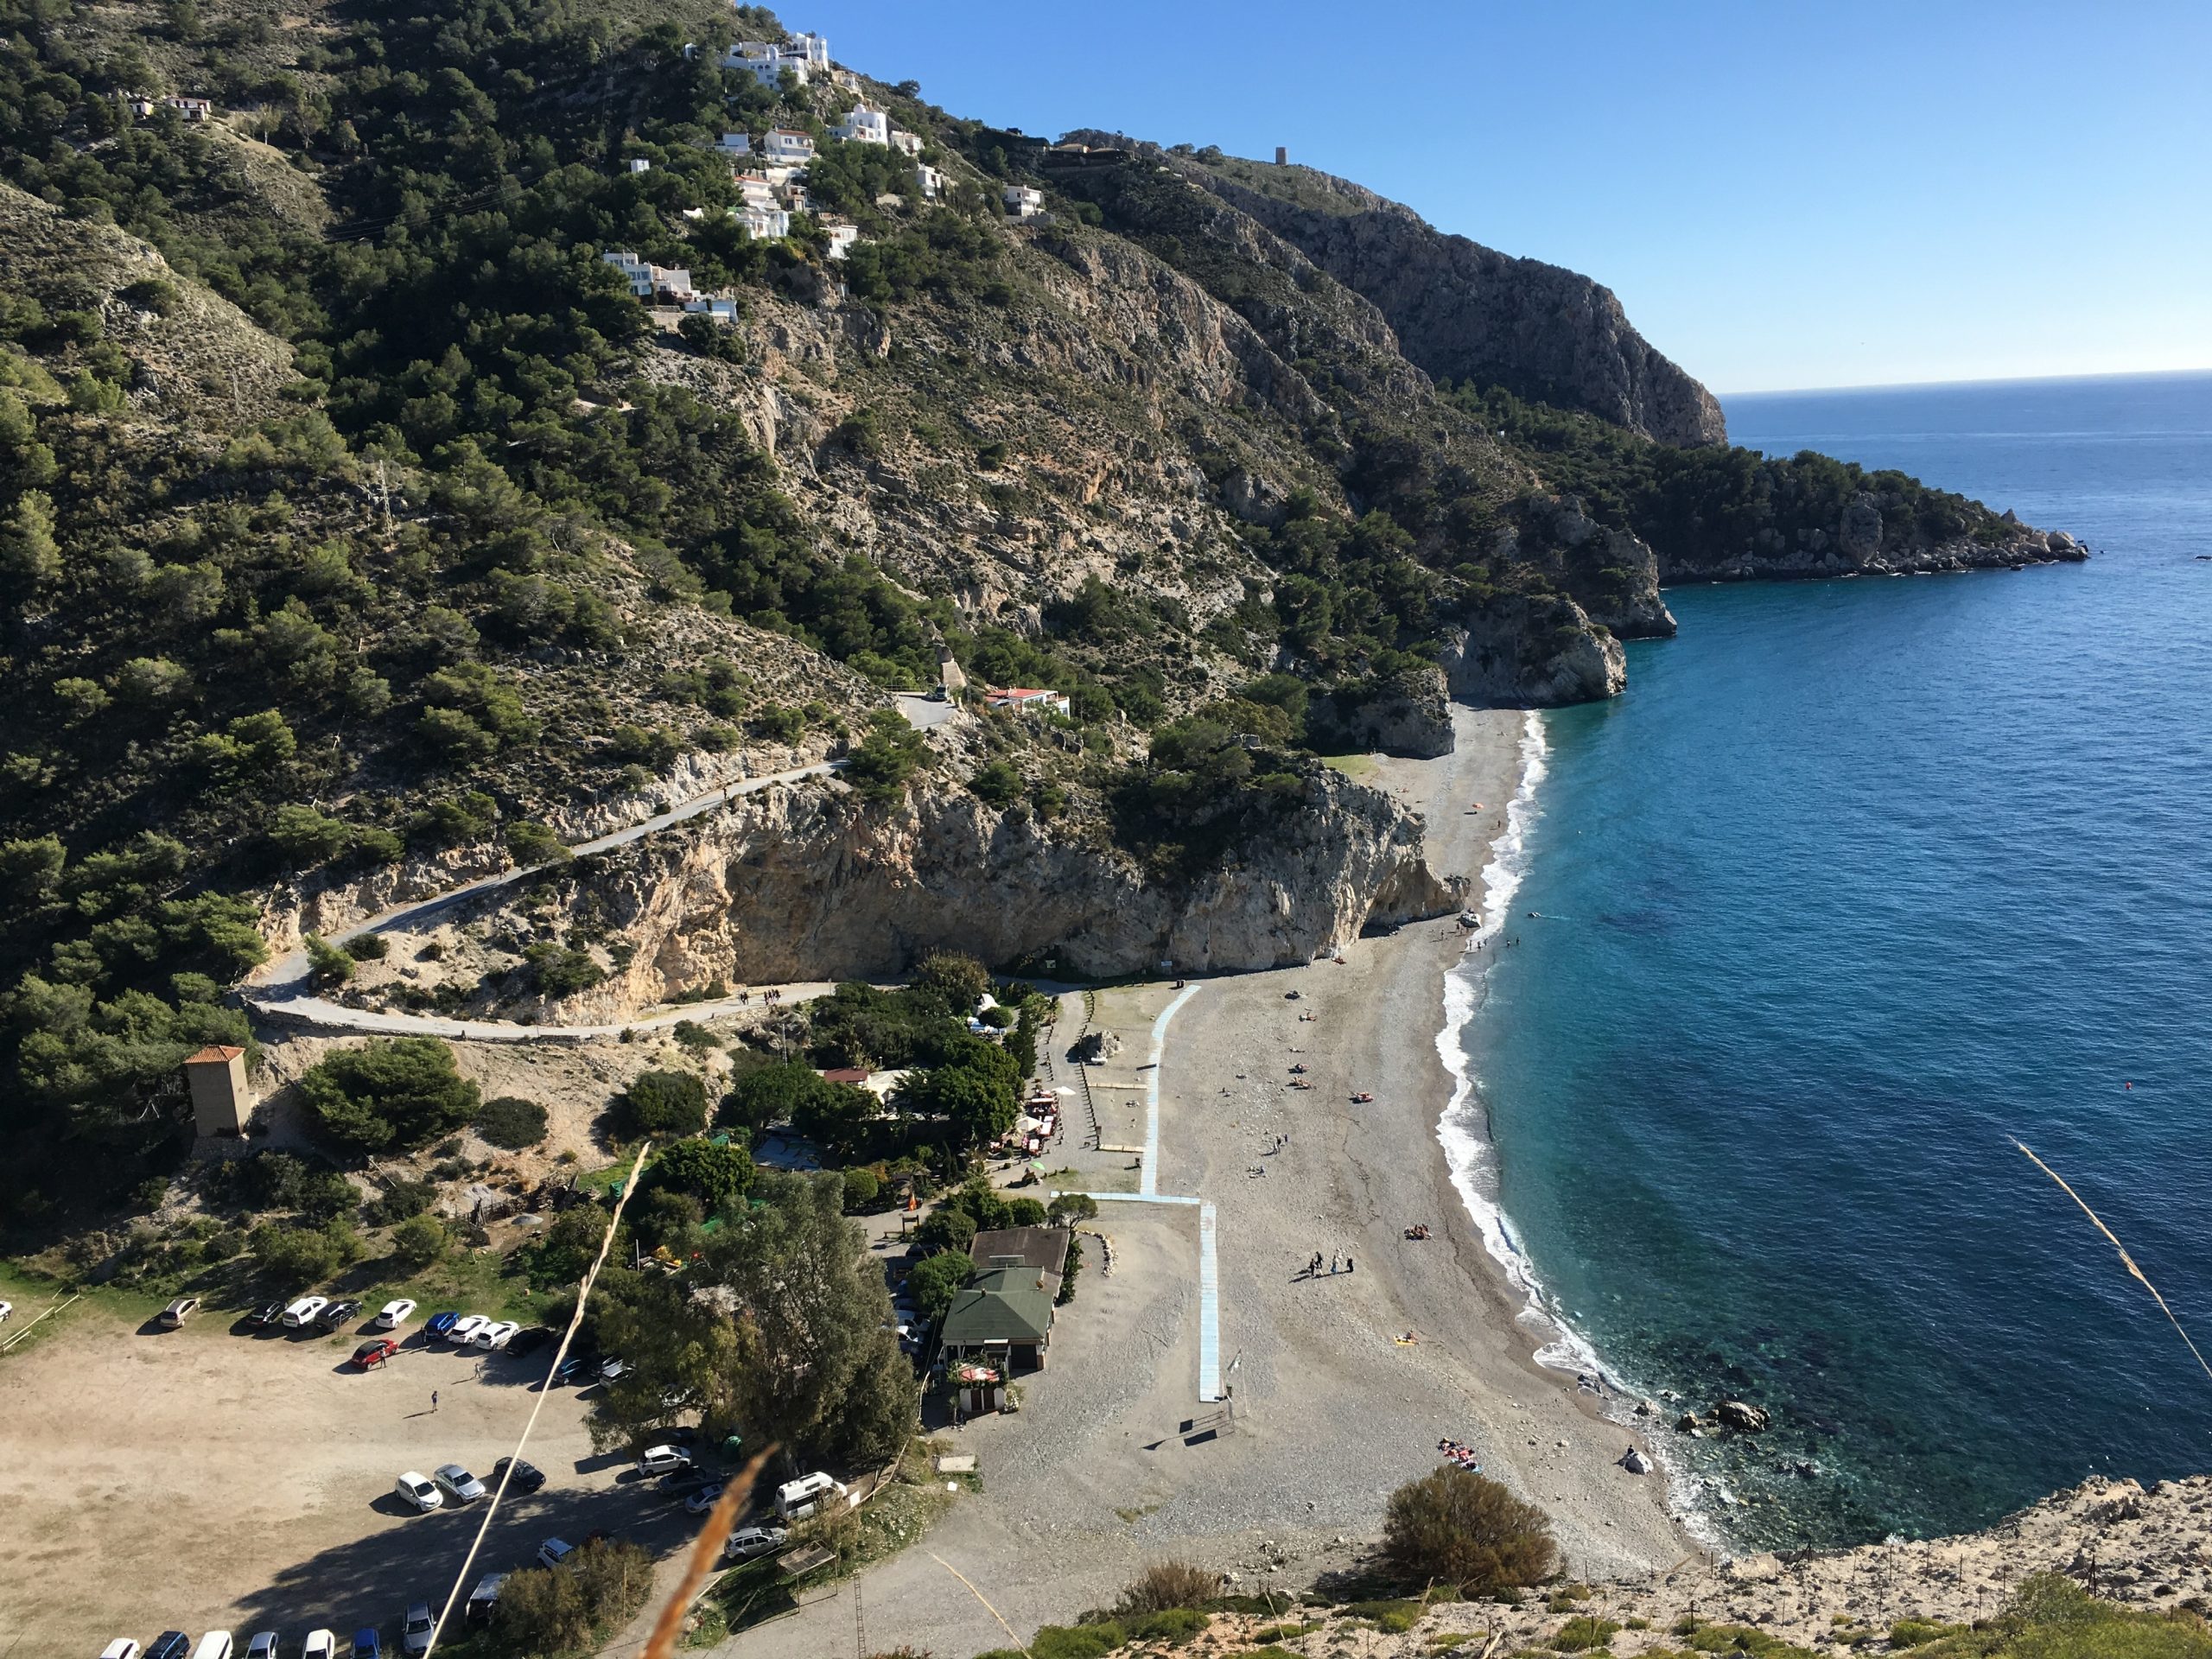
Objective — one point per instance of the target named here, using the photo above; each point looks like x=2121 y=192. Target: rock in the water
x=1742 y=1417
x=1689 y=1422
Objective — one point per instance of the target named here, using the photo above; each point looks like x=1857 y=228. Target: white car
x=123 y=1647
x=306 y=1311
x=465 y=1329
x=497 y=1335
x=660 y=1459
x=395 y=1314
x=6 y=1310
x=554 y=1551
x=706 y=1497
x=321 y=1644
x=417 y=1489
x=464 y=1487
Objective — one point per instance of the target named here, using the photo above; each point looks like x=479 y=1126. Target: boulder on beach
x=1743 y=1418
x=1636 y=1463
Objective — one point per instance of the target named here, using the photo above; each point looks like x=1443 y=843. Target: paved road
x=284 y=995
x=925 y=712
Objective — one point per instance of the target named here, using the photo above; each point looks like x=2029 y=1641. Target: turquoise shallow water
x=1857 y=880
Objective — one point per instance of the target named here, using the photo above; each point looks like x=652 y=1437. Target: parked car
x=264 y=1646
x=367 y=1645
x=339 y=1314
x=498 y=1334
x=6 y=1312
x=463 y=1487
x=439 y=1326
x=483 y=1598
x=554 y=1551
x=179 y=1311
x=216 y=1644
x=121 y=1648
x=417 y=1490
x=705 y=1498
x=659 y=1459
x=463 y=1329
x=394 y=1314
x=321 y=1644
x=690 y=1479
x=306 y=1311
x=272 y=1314
x=527 y=1477
x=576 y=1367
x=812 y=1494
x=748 y=1542
x=415 y=1635
x=612 y=1371
x=530 y=1339
x=375 y=1352
x=170 y=1644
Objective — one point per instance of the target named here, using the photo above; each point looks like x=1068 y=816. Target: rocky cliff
x=809 y=882
x=1875 y=534
x=1465 y=312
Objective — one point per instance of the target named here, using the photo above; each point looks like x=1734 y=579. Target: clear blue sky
x=1795 y=193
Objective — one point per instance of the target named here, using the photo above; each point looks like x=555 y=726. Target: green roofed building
x=1002 y=1319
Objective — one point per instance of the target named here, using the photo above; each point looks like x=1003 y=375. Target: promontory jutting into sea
x=785 y=873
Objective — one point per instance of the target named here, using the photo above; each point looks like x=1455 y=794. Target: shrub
x=327 y=964
x=532 y=844
x=511 y=1121
x=716 y=1176
x=367 y=947
x=1176 y=1626
x=946 y=1227
x=1169 y=1583
x=304 y=1255
x=389 y=1096
x=419 y=1241
x=398 y=1201
x=1024 y=1213
x=935 y=1280
x=1070 y=1208
x=1457 y=1528
x=665 y=1103
x=862 y=1188
x=1585 y=1631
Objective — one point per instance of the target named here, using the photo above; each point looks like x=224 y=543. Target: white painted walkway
x=1148 y=1193
x=284 y=995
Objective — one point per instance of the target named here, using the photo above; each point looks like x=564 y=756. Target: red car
x=375 y=1352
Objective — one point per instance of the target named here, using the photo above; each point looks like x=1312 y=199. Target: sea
x=1860 y=887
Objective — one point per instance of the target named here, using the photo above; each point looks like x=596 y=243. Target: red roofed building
x=221 y=1103
x=1026 y=699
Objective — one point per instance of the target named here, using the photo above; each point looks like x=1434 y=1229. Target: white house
x=905 y=143
x=789 y=146
x=811 y=49
x=714 y=309
x=766 y=64
x=1027 y=699
x=193 y=109
x=755 y=191
x=673 y=282
x=841 y=234
x=929 y=183
x=142 y=106
x=763 y=224
x=866 y=126
x=1023 y=202
x=734 y=144
x=640 y=164
x=640 y=274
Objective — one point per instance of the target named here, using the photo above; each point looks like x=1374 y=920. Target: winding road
x=283 y=994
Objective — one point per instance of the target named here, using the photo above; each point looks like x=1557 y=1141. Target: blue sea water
x=1858 y=882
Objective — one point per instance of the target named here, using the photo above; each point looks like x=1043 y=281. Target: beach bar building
x=1002 y=1320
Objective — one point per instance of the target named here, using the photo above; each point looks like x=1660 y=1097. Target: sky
x=1789 y=195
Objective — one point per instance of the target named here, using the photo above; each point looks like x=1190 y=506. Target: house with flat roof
x=865 y=126
x=1000 y=1319
x=1026 y=699
x=905 y=143
x=929 y=183
x=1024 y=201
x=789 y=146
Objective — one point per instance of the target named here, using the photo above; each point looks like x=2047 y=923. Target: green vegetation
x=1455 y=1528
x=392 y=1096
x=664 y=1102
x=511 y=1121
x=555 y=1610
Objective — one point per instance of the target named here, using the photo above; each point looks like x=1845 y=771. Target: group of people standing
x=1313 y=1267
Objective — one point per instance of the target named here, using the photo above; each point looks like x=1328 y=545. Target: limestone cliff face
x=1463 y=311
x=1411 y=718
x=809 y=882
x=1519 y=652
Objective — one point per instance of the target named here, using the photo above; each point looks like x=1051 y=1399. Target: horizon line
x=1979 y=380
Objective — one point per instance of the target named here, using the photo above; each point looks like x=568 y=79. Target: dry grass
x=1169 y=1583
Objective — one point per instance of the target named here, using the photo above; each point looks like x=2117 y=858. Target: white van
x=811 y=1495
x=216 y=1644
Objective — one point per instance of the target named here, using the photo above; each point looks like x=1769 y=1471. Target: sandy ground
x=209 y=1479
x=1113 y=1461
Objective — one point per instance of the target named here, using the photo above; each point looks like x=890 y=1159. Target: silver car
x=463 y=1487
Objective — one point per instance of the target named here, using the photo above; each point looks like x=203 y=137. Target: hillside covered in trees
x=359 y=531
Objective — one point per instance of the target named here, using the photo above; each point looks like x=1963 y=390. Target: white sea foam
x=1467 y=1150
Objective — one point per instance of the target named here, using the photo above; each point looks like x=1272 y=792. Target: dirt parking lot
x=222 y=1476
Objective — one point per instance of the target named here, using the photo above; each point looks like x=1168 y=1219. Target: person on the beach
x=1347 y=1264
x=1333 y=1267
